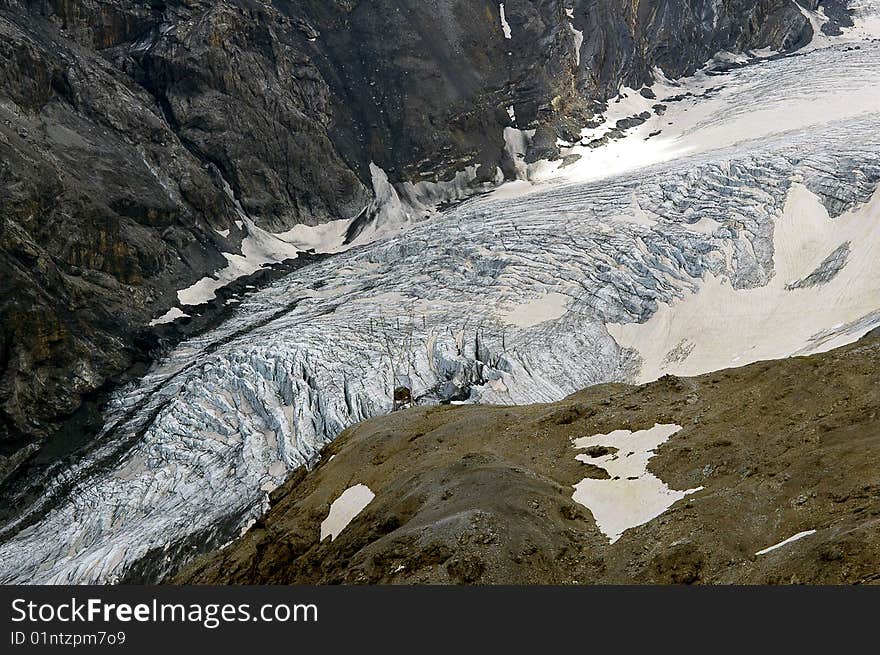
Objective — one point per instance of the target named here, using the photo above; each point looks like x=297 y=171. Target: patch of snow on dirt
x=797 y=537
x=344 y=509
x=633 y=496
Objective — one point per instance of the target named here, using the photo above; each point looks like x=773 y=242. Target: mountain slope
x=484 y=494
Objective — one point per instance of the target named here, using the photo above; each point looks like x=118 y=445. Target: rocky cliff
x=136 y=136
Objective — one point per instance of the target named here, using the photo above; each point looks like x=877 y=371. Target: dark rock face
x=624 y=40
x=129 y=130
x=101 y=210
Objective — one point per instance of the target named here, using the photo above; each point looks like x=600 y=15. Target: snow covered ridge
x=501 y=300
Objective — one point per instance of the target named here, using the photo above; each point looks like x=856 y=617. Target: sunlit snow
x=797 y=537
x=505 y=26
x=169 y=317
x=633 y=496
x=344 y=509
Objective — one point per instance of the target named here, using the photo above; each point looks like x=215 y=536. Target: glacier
x=762 y=181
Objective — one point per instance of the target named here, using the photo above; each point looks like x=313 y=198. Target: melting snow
x=344 y=509
x=505 y=26
x=633 y=496
x=169 y=317
x=799 y=535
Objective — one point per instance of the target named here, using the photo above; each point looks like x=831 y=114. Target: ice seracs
x=344 y=509
x=824 y=293
x=633 y=496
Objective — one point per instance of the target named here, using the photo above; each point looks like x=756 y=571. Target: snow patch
x=257 y=249
x=505 y=26
x=325 y=238
x=633 y=496
x=344 y=509
x=534 y=312
x=169 y=317
x=798 y=536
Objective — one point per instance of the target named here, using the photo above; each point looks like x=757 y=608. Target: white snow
x=505 y=26
x=799 y=535
x=169 y=317
x=324 y=238
x=257 y=249
x=344 y=509
x=633 y=496
x=540 y=310
x=723 y=326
